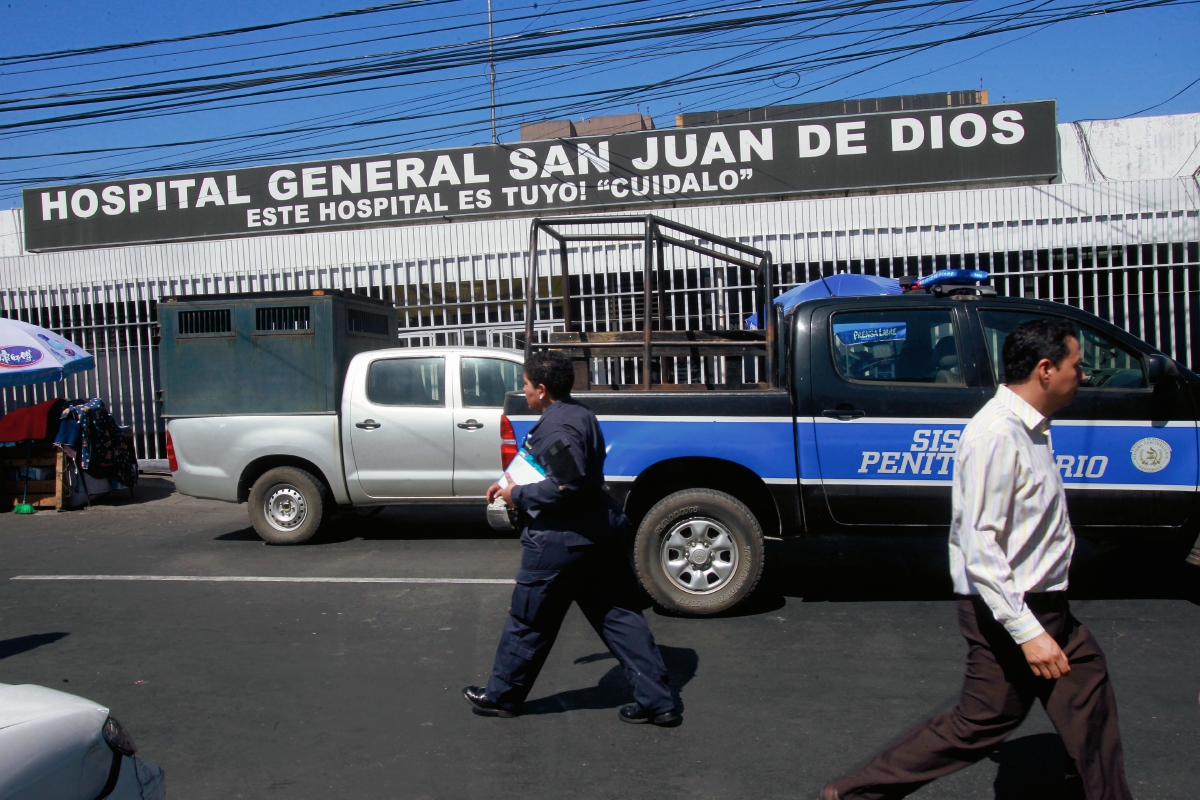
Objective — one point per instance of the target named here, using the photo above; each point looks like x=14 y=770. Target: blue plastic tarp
x=844 y=284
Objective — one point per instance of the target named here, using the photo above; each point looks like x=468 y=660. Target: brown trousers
x=998 y=691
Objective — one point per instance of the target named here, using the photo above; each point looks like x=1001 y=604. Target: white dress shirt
x=1009 y=533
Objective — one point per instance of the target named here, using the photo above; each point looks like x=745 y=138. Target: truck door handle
x=844 y=414
x=368 y=425
x=471 y=425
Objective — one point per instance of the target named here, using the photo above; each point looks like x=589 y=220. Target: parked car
x=57 y=745
x=415 y=426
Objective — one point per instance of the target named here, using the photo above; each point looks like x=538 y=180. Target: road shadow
x=247 y=534
x=766 y=599
x=1035 y=768
x=612 y=690
x=147 y=490
x=414 y=523
x=23 y=644
x=880 y=568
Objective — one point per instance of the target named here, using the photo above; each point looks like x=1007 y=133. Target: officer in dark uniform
x=571 y=549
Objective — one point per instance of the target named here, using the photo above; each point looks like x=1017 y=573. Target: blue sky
x=1100 y=67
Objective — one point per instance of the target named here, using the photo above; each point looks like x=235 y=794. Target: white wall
x=866 y=226
x=1145 y=148
x=12 y=237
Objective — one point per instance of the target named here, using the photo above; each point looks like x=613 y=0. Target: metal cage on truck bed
x=664 y=338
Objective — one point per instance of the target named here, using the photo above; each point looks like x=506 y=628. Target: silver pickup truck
x=414 y=426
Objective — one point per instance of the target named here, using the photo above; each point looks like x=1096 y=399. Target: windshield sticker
x=864 y=332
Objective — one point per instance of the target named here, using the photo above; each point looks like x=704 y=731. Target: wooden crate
x=42 y=494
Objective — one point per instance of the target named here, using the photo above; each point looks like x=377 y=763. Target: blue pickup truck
x=857 y=430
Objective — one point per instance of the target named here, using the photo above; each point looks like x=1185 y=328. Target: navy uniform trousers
x=599 y=579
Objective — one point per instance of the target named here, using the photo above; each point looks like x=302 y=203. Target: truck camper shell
x=265 y=353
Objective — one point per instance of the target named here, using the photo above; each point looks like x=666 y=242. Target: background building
x=1117 y=234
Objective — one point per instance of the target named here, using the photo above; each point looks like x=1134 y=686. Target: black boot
x=477 y=697
x=637 y=715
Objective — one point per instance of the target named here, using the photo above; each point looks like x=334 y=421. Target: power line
x=260 y=57
x=296 y=37
x=109 y=48
x=404 y=62
x=328 y=63
x=578 y=96
x=865 y=54
x=1164 y=102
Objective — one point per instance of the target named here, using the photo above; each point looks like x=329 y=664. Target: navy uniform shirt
x=570 y=502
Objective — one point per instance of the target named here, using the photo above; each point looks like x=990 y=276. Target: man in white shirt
x=1010 y=549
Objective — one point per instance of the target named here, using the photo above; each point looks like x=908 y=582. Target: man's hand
x=495 y=491
x=1045 y=657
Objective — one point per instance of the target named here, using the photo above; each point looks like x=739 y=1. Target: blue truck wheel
x=699 y=551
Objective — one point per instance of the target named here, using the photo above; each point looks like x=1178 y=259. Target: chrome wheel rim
x=699 y=556
x=285 y=508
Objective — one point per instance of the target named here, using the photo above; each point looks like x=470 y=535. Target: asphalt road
x=318 y=690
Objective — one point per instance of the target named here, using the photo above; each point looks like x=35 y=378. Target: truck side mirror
x=1160 y=368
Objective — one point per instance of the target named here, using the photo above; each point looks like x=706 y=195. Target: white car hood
x=51 y=744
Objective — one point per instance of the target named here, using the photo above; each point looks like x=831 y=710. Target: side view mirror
x=1161 y=368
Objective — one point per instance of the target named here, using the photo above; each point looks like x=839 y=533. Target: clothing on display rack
x=89 y=434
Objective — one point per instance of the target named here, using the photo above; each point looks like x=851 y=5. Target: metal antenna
x=492 y=71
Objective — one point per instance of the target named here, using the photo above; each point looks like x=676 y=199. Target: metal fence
x=1109 y=267
x=118 y=330
x=1136 y=264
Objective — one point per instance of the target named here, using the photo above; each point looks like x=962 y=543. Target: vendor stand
x=46 y=450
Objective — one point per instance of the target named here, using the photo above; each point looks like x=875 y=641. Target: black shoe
x=636 y=715
x=477 y=697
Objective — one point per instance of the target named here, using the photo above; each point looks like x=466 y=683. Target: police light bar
x=953 y=276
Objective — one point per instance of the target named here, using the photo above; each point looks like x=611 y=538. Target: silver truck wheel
x=699 y=551
x=699 y=555
x=286 y=505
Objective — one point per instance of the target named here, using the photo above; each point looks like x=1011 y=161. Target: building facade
x=1118 y=235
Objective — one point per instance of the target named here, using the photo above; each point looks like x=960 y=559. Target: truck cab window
x=1106 y=364
x=485 y=381
x=407 y=382
x=899 y=346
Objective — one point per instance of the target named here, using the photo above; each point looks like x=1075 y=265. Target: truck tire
x=699 y=551
x=287 y=505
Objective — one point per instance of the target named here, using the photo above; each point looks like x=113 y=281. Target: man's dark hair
x=1030 y=342
x=552 y=369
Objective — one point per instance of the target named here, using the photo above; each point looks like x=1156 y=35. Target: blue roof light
x=953 y=276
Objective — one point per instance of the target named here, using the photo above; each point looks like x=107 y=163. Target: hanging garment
x=33 y=422
x=88 y=428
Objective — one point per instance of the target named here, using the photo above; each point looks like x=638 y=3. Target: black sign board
x=680 y=166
